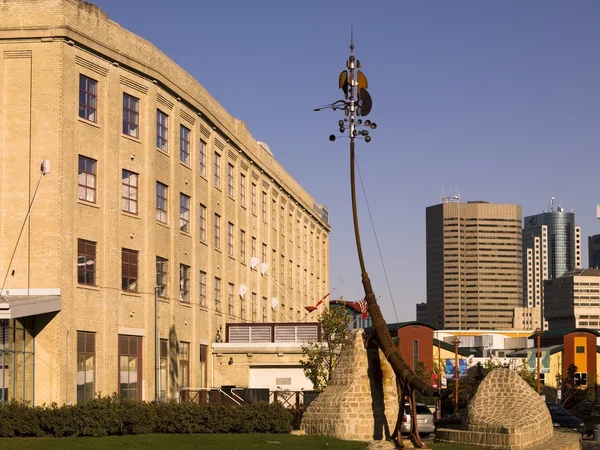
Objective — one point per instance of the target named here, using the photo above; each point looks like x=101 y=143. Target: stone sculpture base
x=361 y=401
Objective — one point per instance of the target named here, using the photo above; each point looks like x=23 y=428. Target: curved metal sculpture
x=357 y=102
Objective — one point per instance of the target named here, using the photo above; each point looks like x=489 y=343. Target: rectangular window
x=264 y=253
x=298 y=277
x=264 y=309
x=162 y=193
x=184 y=364
x=184 y=283
x=580 y=349
x=230 y=239
x=217 y=294
x=184 y=213
x=129 y=191
x=130 y=367
x=164 y=367
x=217 y=170
x=162 y=130
x=254 y=307
x=290 y=270
x=86 y=365
x=253 y=247
x=415 y=353
x=282 y=221
x=131 y=115
x=243 y=246
x=263 y=205
x=202 y=158
x=282 y=270
x=86 y=180
x=243 y=307
x=202 y=220
x=129 y=270
x=88 y=94
x=253 y=198
x=203 y=289
x=230 y=299
x=230 y=180
x=273 y=264
x=274 y=214
x=86 y=262
x=162 y=276
x=217 y=240
x=203 y=366
x=243 y=190
x=184 y=145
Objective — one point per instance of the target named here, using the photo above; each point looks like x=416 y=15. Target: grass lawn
x=185 y=441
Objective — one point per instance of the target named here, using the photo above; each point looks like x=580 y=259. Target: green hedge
x=107 y=416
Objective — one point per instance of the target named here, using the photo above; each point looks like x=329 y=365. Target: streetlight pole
x=456 y=373
x=156 y=347
x=538 y=335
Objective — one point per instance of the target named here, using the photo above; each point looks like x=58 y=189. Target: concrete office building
x=474 y=264
x=153 y=194
x=551 y=248
x=573 y=300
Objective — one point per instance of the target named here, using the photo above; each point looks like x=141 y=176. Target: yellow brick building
x=152 y=192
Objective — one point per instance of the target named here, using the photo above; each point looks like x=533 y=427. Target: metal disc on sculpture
x=343 y=82
x=362 y=80
x=367 y=103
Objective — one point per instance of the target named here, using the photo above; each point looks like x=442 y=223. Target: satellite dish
x=253 y=262
x=274 y=303
x=367 y=103
x=264 y=267
x=243 y=290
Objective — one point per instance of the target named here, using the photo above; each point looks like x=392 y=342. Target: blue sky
x=498 y=100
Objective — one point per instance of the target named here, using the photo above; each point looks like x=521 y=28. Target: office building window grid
x=88 y=93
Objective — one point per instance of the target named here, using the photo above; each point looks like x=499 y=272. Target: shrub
x=107 y=416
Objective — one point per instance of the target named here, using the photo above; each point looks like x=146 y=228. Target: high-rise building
x=551 y=248
x=155 y=210
x=474 y=264
x=594 y=251
x=422 y=312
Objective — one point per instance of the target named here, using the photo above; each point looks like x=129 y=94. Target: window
x=579 y=349
x=129 y=270
x=202 y=158
x=264 y=253
x=87 y=98
x=298 y=277
x=264 y=309
x=243 y=246
x=217 y=169
x=273 y=264
x=217 y=294
x=263 y=205
x=162 y=276
x=243 y=190
x=86 y=180
x=230 y=180
x=164 y=367
x=253 y=247
x=130 y=368
x=86 y=262
x=282 y=221
x=162 y=192
x=184 y=213
x=217 y=240
x=242 y=307
x=184 y=283
x=274 y=214
x=415 y=353
x=203 y=289
x=162 y=131
x=184 y=364
x=230 y=239
x=253 y=198
x=202 y=220
x=130 y=115
x=129 y=194
x=230 y=299
x=86 y=365
x=184 y=145
x=580 y=379
x=203 y=365
x=254 y=307
x=282 y=270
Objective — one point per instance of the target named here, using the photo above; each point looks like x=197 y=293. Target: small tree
x=320 y=358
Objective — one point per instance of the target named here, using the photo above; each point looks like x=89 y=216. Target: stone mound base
x=561 y=440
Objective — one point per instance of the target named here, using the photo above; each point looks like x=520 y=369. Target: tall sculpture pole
x=357 y=103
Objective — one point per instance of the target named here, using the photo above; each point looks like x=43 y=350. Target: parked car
x=564 y=419
x=425 y=420
x=589 y=414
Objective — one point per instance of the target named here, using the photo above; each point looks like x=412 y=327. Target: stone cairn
x=361 y=401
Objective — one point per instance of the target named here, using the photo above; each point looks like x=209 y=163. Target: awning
x=16 y=306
